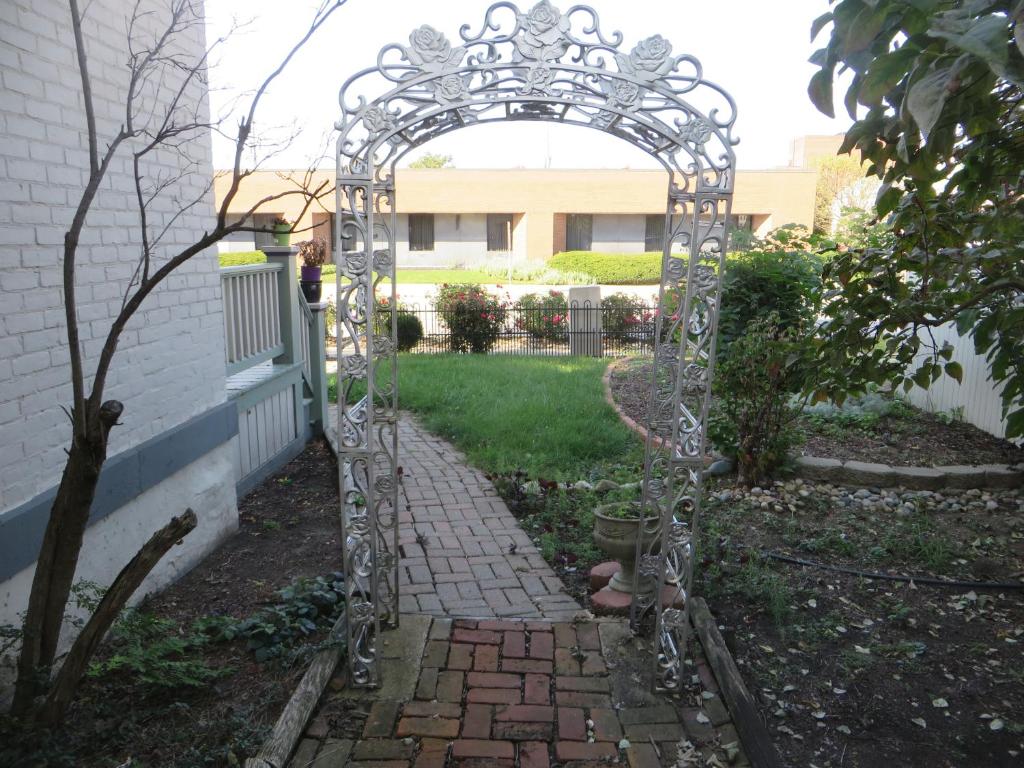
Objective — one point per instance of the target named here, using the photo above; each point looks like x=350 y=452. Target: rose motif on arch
x=697 y=130
x=360 y=612
x=705 y=280
x=649 y=60
x=430 y=50
x=451 y=88
x=544 y=33
x=354 y=263
x=537 y=80
x=377 y=120
x=621 y=93
x=382 y=261
x=354 y=365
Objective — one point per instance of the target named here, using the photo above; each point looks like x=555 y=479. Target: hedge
x=611 y=268
x=241 y=258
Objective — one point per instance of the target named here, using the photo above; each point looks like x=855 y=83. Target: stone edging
x=606 y=382
x=862 y=473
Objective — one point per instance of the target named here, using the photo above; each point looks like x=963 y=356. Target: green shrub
x=242 y=258
x=543 y=317
x=761 y=282
x=474 y=317
x=754 y=384
x=611 y=268
x=410 y=329
x=625 y=316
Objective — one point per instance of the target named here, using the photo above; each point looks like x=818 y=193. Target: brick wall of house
x=170 y=362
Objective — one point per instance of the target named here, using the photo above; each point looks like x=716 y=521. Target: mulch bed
x=920 y=439
x=288 y=528
x=865 y=673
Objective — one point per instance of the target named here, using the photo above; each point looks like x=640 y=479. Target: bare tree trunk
x=124 y=586
x=58 y=556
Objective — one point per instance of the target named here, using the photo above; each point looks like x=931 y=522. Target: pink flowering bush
x=627 y=318
x=543 y=316
x=473 y=316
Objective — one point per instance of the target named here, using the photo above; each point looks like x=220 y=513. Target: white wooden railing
x=252 y=314
x=306 y=322
x=275 y=357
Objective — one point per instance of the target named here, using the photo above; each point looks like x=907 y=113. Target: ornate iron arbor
x=538 y=64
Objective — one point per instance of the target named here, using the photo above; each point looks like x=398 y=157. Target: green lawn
x=406 y=276
x=546 y=416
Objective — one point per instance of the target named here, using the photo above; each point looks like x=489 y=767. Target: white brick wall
x=170 y=361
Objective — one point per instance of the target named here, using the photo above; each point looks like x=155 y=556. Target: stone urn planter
x=616 y=529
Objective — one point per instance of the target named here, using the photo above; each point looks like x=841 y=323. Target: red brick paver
x=461 y=551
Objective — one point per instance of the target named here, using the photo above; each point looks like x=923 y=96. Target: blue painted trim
x=124 y=477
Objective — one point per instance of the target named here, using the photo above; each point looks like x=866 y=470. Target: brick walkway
x=521 y=694
x=462 y=552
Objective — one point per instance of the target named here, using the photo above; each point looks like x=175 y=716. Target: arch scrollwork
x=533 y=64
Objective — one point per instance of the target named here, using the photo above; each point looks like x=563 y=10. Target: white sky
x=756 y=49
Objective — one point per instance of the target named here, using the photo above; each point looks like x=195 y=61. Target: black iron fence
x=575 y=329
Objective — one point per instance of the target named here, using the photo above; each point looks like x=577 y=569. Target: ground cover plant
x=196 y=677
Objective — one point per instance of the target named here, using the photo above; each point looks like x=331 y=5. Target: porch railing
x=252 y=315
x=275 y=360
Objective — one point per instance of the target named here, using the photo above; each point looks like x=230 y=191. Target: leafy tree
x=162 y=115
x=836 y=175
x=936 y=98
x=432 y=160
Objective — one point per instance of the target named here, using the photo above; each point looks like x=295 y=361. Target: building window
x=654 y=232
x=579 y=232
x=499 y=231
x=421 y=231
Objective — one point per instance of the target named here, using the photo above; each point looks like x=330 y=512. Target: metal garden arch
x=537 y=64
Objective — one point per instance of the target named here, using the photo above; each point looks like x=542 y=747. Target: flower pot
x=617 y=537
x=311 y=290
x=282 y=234
x=310 y=274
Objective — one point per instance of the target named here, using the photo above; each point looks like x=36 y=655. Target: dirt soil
x=912 y=438
x=288 y=528
x=868 y=673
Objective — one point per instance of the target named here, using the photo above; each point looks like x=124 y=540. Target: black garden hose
x=928 y=581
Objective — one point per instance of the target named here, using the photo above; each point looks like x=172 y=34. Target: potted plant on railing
x=282 y=231
x=313 y=253
x=616 y=529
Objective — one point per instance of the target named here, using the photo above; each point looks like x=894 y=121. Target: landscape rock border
x=863 y=473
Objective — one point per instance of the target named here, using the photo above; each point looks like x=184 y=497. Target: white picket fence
x=976 y=400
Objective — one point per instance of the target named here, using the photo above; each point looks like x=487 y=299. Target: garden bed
x=865 y=672
x=878 y=430
x=288 y=530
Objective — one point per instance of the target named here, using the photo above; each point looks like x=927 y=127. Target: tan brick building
x=461 y=217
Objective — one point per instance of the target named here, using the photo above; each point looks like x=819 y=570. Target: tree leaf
x=820 y=91
x=955 y=370
x=885 y=73
x=984 y=37
x=927 y=97
x=819 y=23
